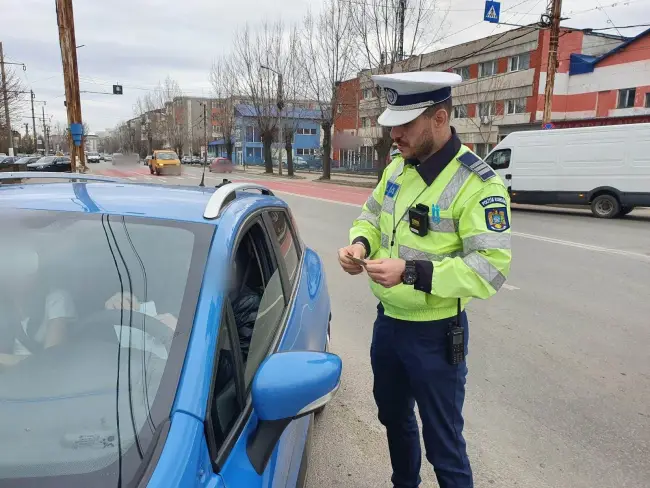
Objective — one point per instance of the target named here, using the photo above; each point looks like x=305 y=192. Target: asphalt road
x=558 y=392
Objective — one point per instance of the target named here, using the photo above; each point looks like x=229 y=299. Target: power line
x=609 y=19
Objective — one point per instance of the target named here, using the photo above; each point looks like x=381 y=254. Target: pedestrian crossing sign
x=492 y=11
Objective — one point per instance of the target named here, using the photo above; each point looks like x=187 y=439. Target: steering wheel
x=100 y=326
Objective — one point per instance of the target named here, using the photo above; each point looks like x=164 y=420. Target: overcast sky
x=139 y=42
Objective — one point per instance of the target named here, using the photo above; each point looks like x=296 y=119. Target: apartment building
x=602 y=79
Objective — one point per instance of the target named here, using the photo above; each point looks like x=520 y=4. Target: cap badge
x=391 y=96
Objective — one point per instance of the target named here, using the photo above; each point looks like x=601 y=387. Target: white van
x=606 y=167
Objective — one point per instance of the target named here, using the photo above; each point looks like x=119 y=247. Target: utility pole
x=205 y=137
x=554 y=40
x=45 y=144
x=10 y=136
x=34 y=122
x=401 y=16
x=68 y=44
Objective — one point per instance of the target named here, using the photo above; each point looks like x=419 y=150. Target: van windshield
x=166 y=155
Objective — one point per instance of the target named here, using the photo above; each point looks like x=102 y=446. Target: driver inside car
x=33 y=317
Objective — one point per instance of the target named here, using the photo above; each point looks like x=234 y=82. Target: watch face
x=410 y=276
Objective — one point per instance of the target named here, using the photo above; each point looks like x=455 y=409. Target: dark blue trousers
x=409 y=364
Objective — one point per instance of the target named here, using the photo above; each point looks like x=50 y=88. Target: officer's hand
x=386 y=272
x=358 y=251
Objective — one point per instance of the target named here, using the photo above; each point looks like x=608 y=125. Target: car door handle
x=508 y=177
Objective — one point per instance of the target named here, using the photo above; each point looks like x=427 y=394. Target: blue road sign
x=492 y=11
x=548 y=125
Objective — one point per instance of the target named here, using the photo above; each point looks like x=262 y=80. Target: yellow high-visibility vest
x=468 y=239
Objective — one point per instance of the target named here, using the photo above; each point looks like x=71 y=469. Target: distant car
x=197 y=160
x=6 y=160
x=221 y=165
x=186 y=160
x=165 y=162
x=108 y=157
x=23 y=162
x=93 y=157
x=56 y=164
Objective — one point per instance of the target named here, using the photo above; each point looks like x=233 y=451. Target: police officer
x=434 y=233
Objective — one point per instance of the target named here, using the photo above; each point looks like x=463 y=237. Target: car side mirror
x=288 y=386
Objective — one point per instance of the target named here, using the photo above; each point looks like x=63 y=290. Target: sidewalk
x=348 y=179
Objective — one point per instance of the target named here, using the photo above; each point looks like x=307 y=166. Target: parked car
x=191 y=387
x=221 y=165
x=93 y=157
x=58 y=164
x=197 y=160
x=165 y=162
x=8 y=160
x=108 y=157
x=23 y=162
x=147 y=160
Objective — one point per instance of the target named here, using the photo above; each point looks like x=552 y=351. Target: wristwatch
x=410 y=275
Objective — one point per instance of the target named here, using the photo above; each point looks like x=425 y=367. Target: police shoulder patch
x=494 y=199
x=496 y=219
x=476 y=165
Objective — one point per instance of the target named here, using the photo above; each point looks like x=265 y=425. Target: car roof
x=184 y=203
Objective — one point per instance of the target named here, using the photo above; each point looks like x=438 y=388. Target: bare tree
x=260 y=86
x=16 y=102
x=390 y=34
x=488 y=94
x=222 y=77
x=327 y=57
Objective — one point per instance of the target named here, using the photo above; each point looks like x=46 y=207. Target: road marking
x=579 y=245
x=510 y=287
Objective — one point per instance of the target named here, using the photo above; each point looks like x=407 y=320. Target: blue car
x=157 y=336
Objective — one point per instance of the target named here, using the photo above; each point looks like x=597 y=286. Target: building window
x=305 y=152
x=516 y=106
x=486 y=109
x=519 y=63
x=488 y=68
x=460 y=111
x=626 y=98
x=253 y=134
x=304 y=131
x=365 y=122
x=463 y=71
x=647 y=100
x=339 y=108
x=366 y=157
x=482 y=150
x=368 y=93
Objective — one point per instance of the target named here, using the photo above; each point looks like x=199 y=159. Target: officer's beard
x=426 y=147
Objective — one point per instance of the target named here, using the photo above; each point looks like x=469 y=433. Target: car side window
x=289 y=251
x=499 y=159
x=257 y=298
x=226 y=400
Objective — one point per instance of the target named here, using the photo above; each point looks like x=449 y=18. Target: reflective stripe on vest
x=372 y=212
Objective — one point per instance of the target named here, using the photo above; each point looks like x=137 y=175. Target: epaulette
x=476 y=165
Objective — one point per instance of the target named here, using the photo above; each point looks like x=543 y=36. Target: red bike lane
x=350 y=195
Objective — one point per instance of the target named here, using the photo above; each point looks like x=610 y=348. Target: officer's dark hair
x=446 y=105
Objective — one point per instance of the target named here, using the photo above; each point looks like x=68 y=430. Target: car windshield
x=166 y=155
x=95 y=315
x=46 y=159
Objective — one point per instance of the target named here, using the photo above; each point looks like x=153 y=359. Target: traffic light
x=117 y=89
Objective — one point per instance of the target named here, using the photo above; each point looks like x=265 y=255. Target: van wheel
x=605 y=206
x=626 y=210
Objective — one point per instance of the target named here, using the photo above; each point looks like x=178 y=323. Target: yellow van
x=165 y=161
